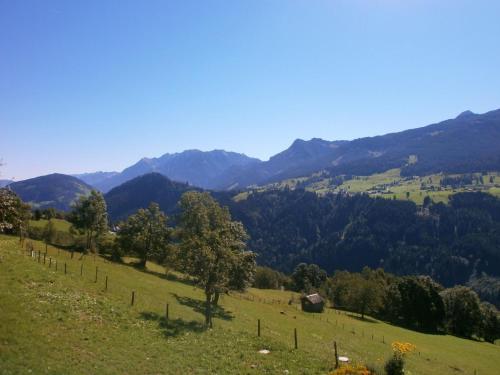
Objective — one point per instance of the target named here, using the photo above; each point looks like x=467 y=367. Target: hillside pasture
x=55 y=323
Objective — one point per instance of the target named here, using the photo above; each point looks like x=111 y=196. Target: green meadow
x=59 y=224
x=388 y=185
x=54 y=322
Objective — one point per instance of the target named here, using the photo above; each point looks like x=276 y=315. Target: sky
x=99 y=84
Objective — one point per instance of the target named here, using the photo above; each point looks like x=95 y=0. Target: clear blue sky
x=96 y=85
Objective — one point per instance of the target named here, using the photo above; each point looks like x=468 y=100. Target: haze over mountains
x=470 y=142
x=195 y=167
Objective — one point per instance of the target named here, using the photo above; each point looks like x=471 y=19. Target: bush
x=395 y=365
x=267 y=278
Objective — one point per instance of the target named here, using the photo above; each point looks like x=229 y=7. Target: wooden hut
x=312 y=303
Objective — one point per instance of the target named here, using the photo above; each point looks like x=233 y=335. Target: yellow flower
x=402 y=347
x=351 y=370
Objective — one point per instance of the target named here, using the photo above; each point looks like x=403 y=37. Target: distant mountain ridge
x=54 y=190
x=468 y=143
x=95 y=178
x=4 y=183
x=198 y=168
x=139 y=192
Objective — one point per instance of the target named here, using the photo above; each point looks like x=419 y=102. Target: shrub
x=395 y=365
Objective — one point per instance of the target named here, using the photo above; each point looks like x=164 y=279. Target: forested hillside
x=450 y=242
x=55 y=190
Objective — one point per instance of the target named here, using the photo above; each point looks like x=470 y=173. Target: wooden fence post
x=295 y=337
x=106 y=283
x=96 y=269
x=65 y=268
x=133 y=298
x=258 y=327
x=336 y=355
x=81 y=269
x=44 y=255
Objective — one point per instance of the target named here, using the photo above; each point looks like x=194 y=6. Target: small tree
x=462 y=309
x=212 y=247
x=49 y=232
x=89 y=217
x=308 y=277
x=490 y=325
x=145 y=234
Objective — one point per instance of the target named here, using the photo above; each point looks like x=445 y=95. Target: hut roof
x=314 y=298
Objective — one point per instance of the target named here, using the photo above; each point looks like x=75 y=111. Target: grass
x=56 y=323
x=59 y=224
x=388 y=185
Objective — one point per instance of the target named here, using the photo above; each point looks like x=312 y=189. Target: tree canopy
x=212 y=248
x=145 y=234
x=89 y=216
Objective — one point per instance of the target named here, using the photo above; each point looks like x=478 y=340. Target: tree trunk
x=215 y=300
x=208 y=309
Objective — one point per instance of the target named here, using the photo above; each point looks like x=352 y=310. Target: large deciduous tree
x=89 y=216
x=212 y=248
x=145 y=234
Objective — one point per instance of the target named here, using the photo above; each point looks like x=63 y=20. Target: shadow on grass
x=173 y=327
x=365 y=319
x=170 y=276
x=199 y=306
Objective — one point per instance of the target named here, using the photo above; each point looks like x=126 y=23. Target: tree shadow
x=199 y=306
x=365 y=319
x=172 y=327
x=169 y=276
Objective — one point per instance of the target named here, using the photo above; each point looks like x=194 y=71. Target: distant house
x=312 y=303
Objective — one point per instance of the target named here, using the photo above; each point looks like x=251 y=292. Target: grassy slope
x=54 y=323
x=59 y=224
x=361 y=184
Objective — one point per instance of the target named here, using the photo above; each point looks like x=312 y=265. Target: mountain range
x=197 y=168
x=468 y=143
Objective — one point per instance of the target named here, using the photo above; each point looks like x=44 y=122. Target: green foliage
x=415 y=302
x=14 y=214
x=395 y=365
x=89 y=216
x=450 y=243
x=49 y=232
x=490 y=324
x=145 y=234
x=487 y=288
x=463 y=311
x=212 y=248
x=308 y=277
x=267 y=278
x=359 y=292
